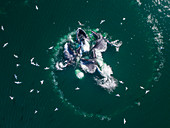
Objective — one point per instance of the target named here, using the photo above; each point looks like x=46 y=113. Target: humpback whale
x=101 y=43
x=88 y=65
x=83 y=40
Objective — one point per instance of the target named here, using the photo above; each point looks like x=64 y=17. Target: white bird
x=35 y=111
x=51 y=47
x=124 y=121
x=142 y=87
x=18 y=82
x=11 y=97
x=77 y=88
x=42 y=82
x=17 y=65
x=102 y=21
x=31 y=90
x=15 y=56
x=15 y=76
x=2 y=28
x=80 y=23
x=56 y=109
x=46 y=68
x=36 y=7
x=5 y=45
x=121 y=82
x=147 y=91
x=118 y=95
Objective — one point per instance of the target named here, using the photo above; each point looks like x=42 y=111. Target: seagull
x=5 y=45
x=35 y=111
x=102 y=21
x=56 y=109
x=2 y=28
x=36 y=7
x=42 y=81
x=11 y=97
x=31 y=90
x=142 y=87
x=80 y=23
x=18 y=82
x=121 y=82
x=15 y=76
x=51 y=47
x=15 y=56
x=124 y=121
x=77 y=88
x=147 y=91
x=17 y=65
x=46 y=68
x=118 y=95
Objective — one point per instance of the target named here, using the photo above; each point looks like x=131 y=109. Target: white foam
x=80 y=75
x=58 y=66
x=105 y=70
x=85 y=47
x=107 y=83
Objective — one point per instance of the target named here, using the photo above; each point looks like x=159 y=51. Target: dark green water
x=143 y=60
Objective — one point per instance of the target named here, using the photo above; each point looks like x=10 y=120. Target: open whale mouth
x=81 y=34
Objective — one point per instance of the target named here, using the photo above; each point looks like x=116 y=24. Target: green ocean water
x=143 y=60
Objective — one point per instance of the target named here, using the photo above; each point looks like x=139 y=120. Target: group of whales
x=87 y=54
